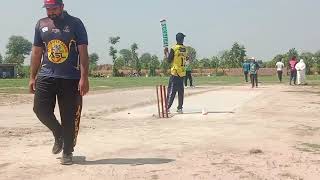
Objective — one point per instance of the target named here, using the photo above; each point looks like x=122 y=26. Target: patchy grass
x=21 y=85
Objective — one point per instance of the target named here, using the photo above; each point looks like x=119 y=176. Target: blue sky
x=264 y=27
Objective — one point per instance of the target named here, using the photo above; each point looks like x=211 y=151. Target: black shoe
x=58 y=145
x=179 y=111
x=66 y=159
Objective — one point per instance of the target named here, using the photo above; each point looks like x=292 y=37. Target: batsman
x=177 y=58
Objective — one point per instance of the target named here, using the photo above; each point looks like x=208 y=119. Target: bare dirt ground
x=272 y=132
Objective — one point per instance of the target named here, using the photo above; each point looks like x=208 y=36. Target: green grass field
x=21 y=85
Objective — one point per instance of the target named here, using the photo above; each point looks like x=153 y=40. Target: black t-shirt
x=60 y=41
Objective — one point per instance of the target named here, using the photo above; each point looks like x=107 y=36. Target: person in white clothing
x=301 y=72
x=280 y=67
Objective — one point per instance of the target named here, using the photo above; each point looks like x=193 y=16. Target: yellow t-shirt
x=179 y=60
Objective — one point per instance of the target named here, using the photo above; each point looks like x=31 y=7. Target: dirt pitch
x=272 y=132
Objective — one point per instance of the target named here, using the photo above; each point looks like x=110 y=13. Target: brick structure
x=106 y=70
x=261 y=72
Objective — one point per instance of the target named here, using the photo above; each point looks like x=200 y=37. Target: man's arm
x=36 y=56
x=171 y=56
x=84 y=67
x=289 y=65
x=82 y=41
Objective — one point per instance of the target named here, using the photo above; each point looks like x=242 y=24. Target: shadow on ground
x=81 y=160
x=303 y=91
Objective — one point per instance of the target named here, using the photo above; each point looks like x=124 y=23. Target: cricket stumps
x=162 y=101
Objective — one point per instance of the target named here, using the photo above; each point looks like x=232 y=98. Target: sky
x=265 y=27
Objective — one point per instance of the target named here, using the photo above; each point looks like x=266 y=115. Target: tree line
x=18 y=48
x=231 y=58
x=312 y=60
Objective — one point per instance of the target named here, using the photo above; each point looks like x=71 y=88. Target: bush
x=23 y=71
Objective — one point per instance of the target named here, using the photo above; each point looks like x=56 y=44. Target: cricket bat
x=165 y=36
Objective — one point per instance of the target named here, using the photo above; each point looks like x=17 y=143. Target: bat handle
x=166 y=52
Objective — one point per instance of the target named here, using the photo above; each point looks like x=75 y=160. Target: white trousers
x=301 y=77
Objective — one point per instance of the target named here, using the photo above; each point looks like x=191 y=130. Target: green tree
x=18 y=45
x=93 y=62
x=127 y=56
x=309 y=60
x=287 y=56
x=17 y=49
x=224 y=60
x=93 y=59
x=261 y=63
x=1 y=59
x=195 y=63
x=237 y=55
x=317 y=61
x=272 y=63
x=215 y=62
x=155 y=62
x=25 y=71
x=204 y=63
x=114 y=40
x=153 y=65
x=113 y=53
x=165 y=66
x=119 y=63
x=145 y=60
x=234 y=57
x=192 y=53
x=278 y=58
x=292 y=52
x=135 y=58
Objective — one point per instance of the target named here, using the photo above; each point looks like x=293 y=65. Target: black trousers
x=175 y=85
x=49 y=89
x=280 y=75
x=293 y=76
x=246 y=75
x=188 y=76
x=254 y=79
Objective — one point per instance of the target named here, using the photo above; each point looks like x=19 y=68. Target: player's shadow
x=209 y=112
x=81 y=160
x=318 y=103
x=303 y=91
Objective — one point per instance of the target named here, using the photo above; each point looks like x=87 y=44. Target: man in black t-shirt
x=60 y=41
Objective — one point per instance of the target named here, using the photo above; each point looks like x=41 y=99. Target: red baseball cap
x=52 y=3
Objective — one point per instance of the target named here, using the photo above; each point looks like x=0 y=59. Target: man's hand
x=84 y=67
x=36 y=56
x=83 y=86
x=166 y=52
x=32 y=85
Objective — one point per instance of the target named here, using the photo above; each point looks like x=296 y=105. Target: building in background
x=8 y=71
